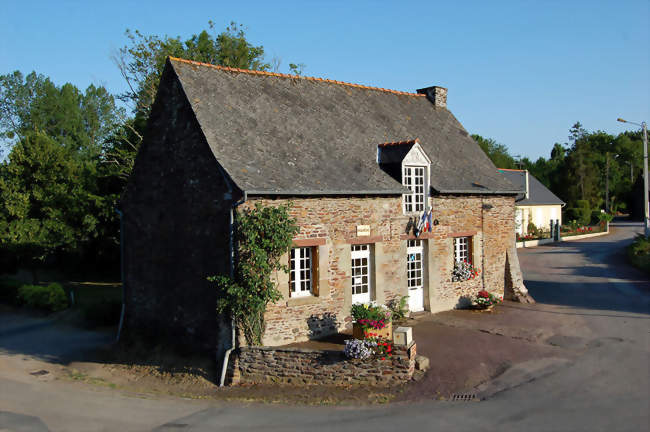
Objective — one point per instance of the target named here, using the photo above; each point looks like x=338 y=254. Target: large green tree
x=79 y=121
x=50 y=203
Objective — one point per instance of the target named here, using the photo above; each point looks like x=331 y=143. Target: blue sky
x=521 y=72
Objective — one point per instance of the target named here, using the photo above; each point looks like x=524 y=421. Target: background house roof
x=283 y=134
x=538 y=194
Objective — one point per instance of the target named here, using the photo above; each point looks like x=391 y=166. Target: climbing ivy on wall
x=263 y=235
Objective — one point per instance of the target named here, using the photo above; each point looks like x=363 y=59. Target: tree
x=79 y=121
x=142 y=61
x=498 y=153
x=48 y=202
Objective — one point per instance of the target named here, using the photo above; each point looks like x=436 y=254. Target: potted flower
x=485 y=300
x=371 y=320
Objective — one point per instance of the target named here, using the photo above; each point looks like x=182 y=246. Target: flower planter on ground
x=386 y=332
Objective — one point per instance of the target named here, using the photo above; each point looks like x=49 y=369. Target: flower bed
x=568 y=231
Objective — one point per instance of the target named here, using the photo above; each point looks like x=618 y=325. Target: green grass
x=639 y=253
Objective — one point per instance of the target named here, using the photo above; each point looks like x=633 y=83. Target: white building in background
x=536 y=203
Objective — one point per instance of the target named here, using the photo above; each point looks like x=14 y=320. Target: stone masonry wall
x=176 y=230
x=329 y=224
x=316 y=367
x=333 y=222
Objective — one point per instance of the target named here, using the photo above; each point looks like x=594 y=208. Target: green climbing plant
x=264 y=234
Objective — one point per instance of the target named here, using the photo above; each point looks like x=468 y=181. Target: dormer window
x=414 y=179
x=407 y=162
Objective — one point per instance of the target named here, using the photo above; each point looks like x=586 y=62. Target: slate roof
x=538 y=194
x=284 y=134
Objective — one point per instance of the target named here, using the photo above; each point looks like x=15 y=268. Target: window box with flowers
x=464 y=271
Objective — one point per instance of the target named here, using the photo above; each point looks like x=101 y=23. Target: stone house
x=358 y=163
x=535 y=203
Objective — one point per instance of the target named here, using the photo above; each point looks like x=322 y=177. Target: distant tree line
x=68 y=153
x=593 y=170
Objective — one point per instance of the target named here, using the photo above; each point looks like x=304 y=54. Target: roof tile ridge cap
x=510 y=169
x=395 y=143
x=281 y=75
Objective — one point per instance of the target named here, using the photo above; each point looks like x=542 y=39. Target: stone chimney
x=437 y=95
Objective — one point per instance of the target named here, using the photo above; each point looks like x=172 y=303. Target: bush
x=50 y=298
x=103 y=313
x=639 y=253
x=595 y=217
x=584 y=212
x=9 y=291
x=399 y=308
x=531 y=229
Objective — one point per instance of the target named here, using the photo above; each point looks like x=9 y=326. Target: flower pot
x=386 y=332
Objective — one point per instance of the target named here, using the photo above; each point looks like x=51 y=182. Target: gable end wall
x=176 y=229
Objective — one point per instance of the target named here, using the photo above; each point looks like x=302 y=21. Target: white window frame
x=463 y=249
x=301 y=272
x=360 y=267
x=414 y=177
x=416 y=171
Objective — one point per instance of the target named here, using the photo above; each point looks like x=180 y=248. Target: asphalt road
x=603 y=385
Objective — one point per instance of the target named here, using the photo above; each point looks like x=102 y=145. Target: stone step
x=421 y=362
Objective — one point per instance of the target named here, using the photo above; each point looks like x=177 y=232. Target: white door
x=361 y=285
x=414 y=275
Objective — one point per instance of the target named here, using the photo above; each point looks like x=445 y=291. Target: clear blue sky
x=521 y=72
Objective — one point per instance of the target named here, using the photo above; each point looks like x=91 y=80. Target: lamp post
x=645 y=173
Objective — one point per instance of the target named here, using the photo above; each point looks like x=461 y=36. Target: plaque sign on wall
x=363 y=230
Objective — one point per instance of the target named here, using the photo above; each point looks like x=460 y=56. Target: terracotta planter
x=386 y=332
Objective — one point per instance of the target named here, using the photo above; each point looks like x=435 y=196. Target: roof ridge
x=396 y=143
x=281 y=75
x=511 y=169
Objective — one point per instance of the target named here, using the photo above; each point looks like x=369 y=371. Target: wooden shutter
x=314 y=270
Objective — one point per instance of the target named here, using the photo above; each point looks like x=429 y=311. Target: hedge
x=50 y=298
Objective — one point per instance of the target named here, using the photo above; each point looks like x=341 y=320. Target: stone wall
x=329 y=224
x=176 y=229
x=318 y=367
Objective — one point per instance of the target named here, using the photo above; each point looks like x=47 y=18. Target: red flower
x=484 y=294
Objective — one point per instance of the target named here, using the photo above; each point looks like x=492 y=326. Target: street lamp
x=645 y=173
